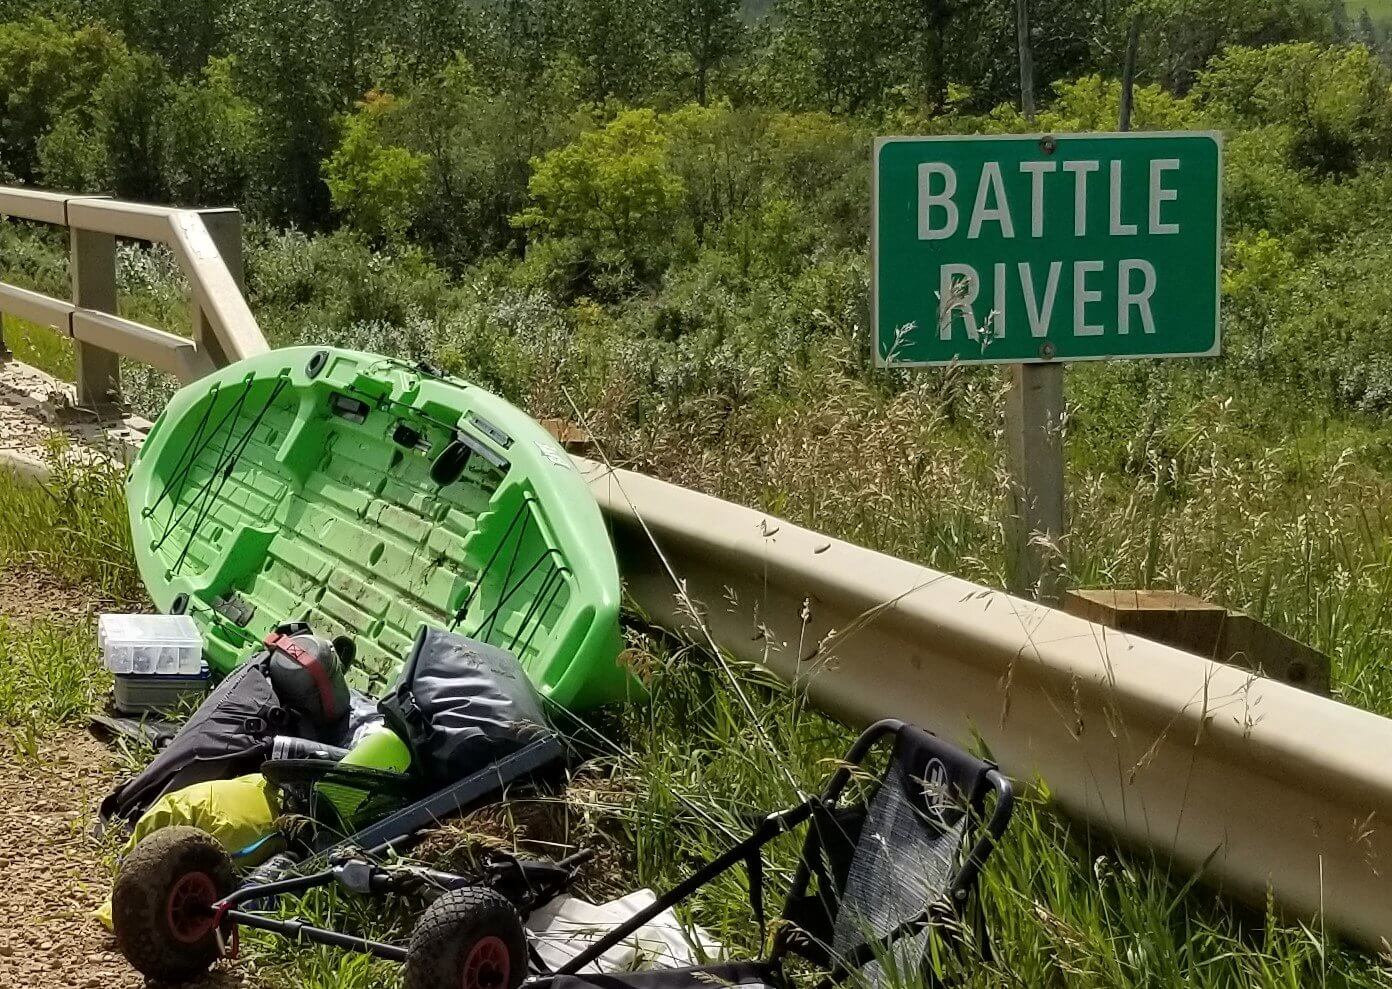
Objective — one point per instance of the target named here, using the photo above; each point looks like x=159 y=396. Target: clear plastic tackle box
x=150 y=644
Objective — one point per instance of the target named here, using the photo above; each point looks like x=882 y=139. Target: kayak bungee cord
x=463 y=611
x=551 y=583
x=190 y=455
x=207 y=495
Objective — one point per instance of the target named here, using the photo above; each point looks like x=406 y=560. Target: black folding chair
x=881 y=879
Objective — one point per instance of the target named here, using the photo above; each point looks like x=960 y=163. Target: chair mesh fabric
x=903 y=863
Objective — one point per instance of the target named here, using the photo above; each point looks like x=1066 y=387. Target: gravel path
x=53 y=873
x=33 y=405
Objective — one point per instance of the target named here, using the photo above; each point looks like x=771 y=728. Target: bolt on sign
x=1020 y=249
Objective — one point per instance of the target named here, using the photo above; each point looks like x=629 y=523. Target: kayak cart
x=886 y=884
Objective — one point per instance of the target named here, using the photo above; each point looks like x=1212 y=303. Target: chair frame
x=750 y=852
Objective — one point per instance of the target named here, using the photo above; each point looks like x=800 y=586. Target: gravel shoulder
x=54 y=873
x=53 y=870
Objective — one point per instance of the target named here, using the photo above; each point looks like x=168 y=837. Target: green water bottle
x=381 y=749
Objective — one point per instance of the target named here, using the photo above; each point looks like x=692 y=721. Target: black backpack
x=460 y=705
x=229 y=735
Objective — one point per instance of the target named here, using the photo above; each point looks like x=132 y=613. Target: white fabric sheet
x=567 y=925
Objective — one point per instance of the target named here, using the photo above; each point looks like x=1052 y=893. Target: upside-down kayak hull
x=368 y=497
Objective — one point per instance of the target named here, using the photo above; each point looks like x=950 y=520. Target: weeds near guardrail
x=73 y=525
x=680 y=776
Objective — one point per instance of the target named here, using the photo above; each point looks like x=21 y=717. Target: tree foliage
x=612 y=191
x=705 y=35
x=210 y=137
x=48 y=73
x=375 y=184
x=1332 y=101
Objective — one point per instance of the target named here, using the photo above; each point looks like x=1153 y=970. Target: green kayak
x=367 y=497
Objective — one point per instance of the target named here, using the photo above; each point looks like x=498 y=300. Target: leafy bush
x=1333 y=100
x=612 y=190
x=477 y=144
x=305 y=287
x=210 y=136
x=378 y=186
x=48 y=72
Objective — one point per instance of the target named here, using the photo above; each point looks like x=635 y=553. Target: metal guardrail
x=1259 y=785
x=208 y=247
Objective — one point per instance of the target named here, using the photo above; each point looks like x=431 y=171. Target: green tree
x=128 y=105
x=982 y=48
x=183 y=34
x=1332 y=101
x=209 y=137
x=706 y=32
x=1180 y=37
x=612 y=191
x=375 y=184
x=1367 y=30
x=853 y=52
x=47 y=72
x=511 y=43
x=864 y=54
x=722 y=158
x=480 y=141
x=71 y=158
x=429 y=33
x=111 y=143
x=615 y=43
x=284 y=64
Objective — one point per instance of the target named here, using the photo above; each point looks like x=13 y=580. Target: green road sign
x=1020 y=249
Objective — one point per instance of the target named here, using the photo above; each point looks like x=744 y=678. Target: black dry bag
x=229 y=735
x=460 y=705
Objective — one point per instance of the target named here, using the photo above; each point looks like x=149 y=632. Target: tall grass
x=73 y=526
x=1064 y=908
x=52 y=678
x=1299 y=536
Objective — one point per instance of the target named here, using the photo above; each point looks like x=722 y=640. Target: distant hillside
x=1379 y=10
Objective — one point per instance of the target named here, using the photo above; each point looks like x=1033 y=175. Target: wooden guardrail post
x=94 y=287
x=225 y=229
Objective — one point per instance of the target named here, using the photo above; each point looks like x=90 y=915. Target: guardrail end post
x=225 y=229
x=94 y=287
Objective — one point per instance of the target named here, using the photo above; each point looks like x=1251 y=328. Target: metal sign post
x=1037 y=250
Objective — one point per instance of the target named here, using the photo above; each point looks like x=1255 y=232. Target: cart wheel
x=469 y=938
x=161 y=904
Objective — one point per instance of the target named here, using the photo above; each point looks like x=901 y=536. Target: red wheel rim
x=189 y=908
x=488 y=964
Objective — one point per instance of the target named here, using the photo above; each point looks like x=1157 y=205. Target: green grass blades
x=280 y=963
x=52 y=678
x=1065 y=908
x=39 y=347
x=72 y=527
